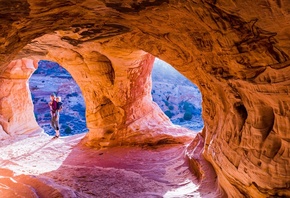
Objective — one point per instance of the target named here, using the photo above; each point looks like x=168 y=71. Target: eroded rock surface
x=236 y=52
x=16 y=108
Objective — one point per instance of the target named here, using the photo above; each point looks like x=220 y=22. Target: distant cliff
x=179 y=98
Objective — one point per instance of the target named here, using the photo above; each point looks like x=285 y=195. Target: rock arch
x=237 y=56
x=117 y=92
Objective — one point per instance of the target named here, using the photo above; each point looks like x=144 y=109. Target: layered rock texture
x=178 y=98
x=16 y=109
x=237 y=52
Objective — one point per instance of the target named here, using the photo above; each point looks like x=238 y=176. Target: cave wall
x=238 y=57
x=16 y=107
x=116 y=86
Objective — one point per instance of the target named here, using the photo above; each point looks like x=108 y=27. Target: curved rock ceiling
x=237 y=52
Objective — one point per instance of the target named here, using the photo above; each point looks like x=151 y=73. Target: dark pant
x=55 y=120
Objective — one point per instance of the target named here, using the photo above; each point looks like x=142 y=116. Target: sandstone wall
x=236 y=52
x=16 y=108
x=116 y=85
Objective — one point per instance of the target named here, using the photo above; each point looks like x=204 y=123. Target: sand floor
x=78 y=171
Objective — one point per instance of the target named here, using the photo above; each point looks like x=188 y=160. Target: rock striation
x=238 y=57
x=16 y=112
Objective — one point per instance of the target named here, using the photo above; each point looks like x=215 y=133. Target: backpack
x=59 y=106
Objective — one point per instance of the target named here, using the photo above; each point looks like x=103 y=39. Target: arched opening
x=177 y=96
x=154 y=120
x=117 y=91
x=92 y=78
x=50 y=78
x=238 y=57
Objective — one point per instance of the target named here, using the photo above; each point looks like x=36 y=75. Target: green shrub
x=190 y=108
x=67 y=130
x=187 y=115
x=169 y=113
x=36 y=117
x=166 y=102
x=186 y=105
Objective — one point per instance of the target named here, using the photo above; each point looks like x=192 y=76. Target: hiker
x=58 y=109
x=54 y=112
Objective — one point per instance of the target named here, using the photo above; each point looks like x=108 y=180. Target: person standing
x=58 y=109
x=54 y=115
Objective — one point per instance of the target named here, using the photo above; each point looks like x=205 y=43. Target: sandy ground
x=75 y=171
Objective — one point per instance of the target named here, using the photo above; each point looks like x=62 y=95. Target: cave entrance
x=177 y=96
x=49 y=78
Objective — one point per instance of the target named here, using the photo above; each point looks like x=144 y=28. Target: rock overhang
x=238 y=57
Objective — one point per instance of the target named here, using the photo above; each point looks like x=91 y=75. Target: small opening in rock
x=178 y=97
x=242 y=111
x=50 y=78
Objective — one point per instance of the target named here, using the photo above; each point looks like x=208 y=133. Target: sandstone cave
x=177 y=97
x=238 y=57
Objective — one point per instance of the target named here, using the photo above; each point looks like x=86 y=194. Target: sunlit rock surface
x=60 y=169
x=178 y=98
x=236 y=52
x=16 y=108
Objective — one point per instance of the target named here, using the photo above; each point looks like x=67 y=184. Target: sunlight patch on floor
x=35 y=154
x=185 y=189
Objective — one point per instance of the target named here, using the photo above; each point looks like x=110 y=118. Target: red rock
x=236 y=52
